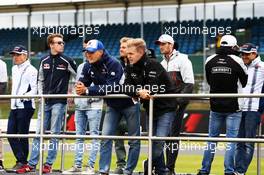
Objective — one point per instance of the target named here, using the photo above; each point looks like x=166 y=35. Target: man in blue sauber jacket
x=104 y=72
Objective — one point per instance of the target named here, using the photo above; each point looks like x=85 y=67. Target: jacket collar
x=255 y=62
x=173 y=55
x=21 y=66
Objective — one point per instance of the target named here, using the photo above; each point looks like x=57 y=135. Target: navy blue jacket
x=105 y=74
x=54 y=75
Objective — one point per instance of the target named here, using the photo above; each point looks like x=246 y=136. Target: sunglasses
x=60 y=42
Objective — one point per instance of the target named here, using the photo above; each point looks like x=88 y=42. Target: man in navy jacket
x=104 y=72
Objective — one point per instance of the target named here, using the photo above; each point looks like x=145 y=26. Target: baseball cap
x=248 y=48
x=19 y=50
x=228 y=41
x=165 y=38
x=93 y=45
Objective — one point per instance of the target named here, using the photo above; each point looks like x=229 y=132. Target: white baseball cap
x=165 y=38
x=228 y=41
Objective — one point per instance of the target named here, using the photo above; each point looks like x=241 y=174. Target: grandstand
x=110 y=35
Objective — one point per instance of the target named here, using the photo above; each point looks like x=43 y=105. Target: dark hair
x=86 y=41
x=175 y=46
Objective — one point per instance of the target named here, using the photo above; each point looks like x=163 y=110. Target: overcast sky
x=168 y=13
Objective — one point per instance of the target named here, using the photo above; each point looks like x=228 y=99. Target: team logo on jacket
x=221 y=70
x=46 y=66
x=152 y=74
x=61 y=67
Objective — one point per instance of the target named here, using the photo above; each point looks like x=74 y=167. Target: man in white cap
x=180 y=69
x=225 y=73
x=252 y=108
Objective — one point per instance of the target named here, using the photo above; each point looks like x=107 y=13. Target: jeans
x=216 y=121
x=161 y=128
x=18 y=123
x=111 y=120
x=119 y=144
x=54 y=115
x=248 y=129
x=82 y=118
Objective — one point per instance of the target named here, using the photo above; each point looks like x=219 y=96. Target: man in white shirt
x=252 y=107
x=24 y=82
x=3 y=84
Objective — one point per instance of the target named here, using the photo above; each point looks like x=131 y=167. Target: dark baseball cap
x=248 y=48
x=19 y=50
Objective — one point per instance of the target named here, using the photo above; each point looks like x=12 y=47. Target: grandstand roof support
x=29 y=31
x=142 y=19
x=125 y=11
x=179 y=2
x=253 y=10
x=76 y=15
x=235 y=10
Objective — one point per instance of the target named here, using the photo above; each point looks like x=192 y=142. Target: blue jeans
x=216 y=122
x=82 y=118
x=248 y=129
x=111 y=121
x=54 y=115
x=161 y=128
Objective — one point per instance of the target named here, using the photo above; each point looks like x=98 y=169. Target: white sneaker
x=89 y=170
x=73 y=170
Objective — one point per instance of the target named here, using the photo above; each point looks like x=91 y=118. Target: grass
x=185 y=163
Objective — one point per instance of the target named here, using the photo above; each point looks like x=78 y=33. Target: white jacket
x=3 y=72
x=254 y=86
x=86 y=103
x=180 y=65
x=24 y=82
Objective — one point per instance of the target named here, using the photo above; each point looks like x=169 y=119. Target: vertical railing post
x=150 y=135
x=41 y=134
x=259 y=153
x=63 y=140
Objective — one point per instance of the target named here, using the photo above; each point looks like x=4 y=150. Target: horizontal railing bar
x=220 y=139
x=125 y=96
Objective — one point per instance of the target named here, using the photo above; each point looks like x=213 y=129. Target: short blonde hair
x=137 y=42
x=124 y=39
x=52 y=36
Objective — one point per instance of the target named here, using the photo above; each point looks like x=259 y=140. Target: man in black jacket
x=53 y=78
x=225 y=73
x=145 y=77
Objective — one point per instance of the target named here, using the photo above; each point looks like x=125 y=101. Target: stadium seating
x=189 y=43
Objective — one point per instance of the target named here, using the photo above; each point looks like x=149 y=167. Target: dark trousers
x=173 y=148
x=18 y=123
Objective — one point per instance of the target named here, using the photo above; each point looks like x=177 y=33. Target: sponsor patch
x=46 y=66
x=221 y=70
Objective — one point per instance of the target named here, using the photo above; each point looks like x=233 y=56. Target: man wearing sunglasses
x=225 y=73
x=54 y=74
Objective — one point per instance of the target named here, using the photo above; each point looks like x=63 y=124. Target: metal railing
x=150 y=138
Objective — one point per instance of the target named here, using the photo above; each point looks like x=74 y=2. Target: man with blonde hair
x=146 y=77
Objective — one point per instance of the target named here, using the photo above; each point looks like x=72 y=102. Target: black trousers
x=18 y=123
x=173 y=146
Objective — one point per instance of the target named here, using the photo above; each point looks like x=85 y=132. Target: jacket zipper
x=52 y=70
